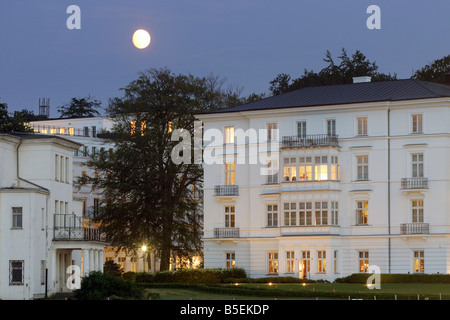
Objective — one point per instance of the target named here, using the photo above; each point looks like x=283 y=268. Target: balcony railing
x=314 y=140
x=226 y=232
x=70 y=227
x=414 y=183
x=226 y=190
x=415 y=228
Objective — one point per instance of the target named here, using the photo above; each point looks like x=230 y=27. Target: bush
x=98 y=286
x=190 y=276
x=397 y=278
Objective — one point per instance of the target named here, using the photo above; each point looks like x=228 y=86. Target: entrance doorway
x=304 y=265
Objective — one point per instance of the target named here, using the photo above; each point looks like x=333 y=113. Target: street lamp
x=144 y=249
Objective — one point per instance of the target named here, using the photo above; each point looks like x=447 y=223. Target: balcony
x=315 y=140
x=69 y=227
x=414 y=183
x=226 y=232
x=226 y=190
x=415 y=228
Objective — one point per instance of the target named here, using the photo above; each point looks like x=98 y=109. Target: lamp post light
x=144 y=249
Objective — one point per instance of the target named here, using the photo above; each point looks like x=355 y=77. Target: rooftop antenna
x=44 y=107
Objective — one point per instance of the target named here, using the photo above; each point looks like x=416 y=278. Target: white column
x=95 y=259
x=86 y=260
x=91 y=260
x=100 y=259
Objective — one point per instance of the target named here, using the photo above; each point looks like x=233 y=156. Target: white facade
x=380 y=195
x=41 y=234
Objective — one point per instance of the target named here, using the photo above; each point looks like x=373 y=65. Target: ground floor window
x=290 y=261
x=273 y=262
x=419 y=261
x=16 y=272
x=321 y=261
x=230 y=259
x=363 y=258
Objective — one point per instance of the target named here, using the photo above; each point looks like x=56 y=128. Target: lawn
x=285 y=291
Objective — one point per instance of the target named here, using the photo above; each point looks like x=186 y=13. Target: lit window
x=416 y=123
x=305 y=169
x=304 y=264
x=321 y=261
x=363 y=259
x=419 y=261
x=362 y=212
x=290 y=169
x=321 y=168
x=71 y=131
x=230 y=173
x=273 y=262
x=230 y=260
x=229 y=135
x=62 y=131
x=321 y=213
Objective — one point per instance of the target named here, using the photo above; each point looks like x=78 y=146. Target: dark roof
x=395 y=90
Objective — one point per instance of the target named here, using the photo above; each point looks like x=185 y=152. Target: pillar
x=91 y=260
x=100 y=259
x=86 y=260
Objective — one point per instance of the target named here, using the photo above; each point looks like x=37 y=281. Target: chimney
x=362 y=79
x=44 y=107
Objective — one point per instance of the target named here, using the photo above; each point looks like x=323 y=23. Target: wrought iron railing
x=314 y=140
x=70 y=227
x=226 y=232
x=414 y=183
x=415 y=228
x=226 y=190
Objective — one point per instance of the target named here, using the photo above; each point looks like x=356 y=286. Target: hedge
x=189 y=276
x=397 y=278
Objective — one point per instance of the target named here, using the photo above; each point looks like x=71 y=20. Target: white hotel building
x=363 y=179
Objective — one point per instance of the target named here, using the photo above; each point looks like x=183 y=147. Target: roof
x=394 y=90
x=25 y=135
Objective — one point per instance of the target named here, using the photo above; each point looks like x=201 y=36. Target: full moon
x=141 y=39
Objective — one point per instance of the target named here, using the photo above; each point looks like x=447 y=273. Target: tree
x=434 y=72
x=148 y=198
x=342 y=73
x=79 y=108
x=14 y=123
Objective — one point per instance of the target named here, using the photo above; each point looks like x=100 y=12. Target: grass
x=285 y=291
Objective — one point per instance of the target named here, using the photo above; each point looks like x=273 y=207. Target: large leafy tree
x=147 y=197
x=435 y=71
x=334 y=73
x=16 y=122
x=80 y=107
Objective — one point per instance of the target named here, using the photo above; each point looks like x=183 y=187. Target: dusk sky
x=248 y=42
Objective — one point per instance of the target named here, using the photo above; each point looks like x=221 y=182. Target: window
x=321 y=261
x=272 y=215
x=229 y=135
x=321 y=168
x=305 y=263
x=229 y=217
x=301 y=129
x=290 y=169
x=121 y=262
x=305 y=213
x=321 y=213
x=417 y=165
x=94 y=131
x=362 y=167
x=331 y=127
x=96 y=206
x=133 y=264
x=230 y=173
x=363 y=260
x=272 y=131
x=305 y=169
x=230 y=260
x=290 y=261
x=16 y=272
x=335 y=261
x=416 y=123
x=290 y=214
x=362 y=212
x=419 y=261
x=86 y=131
x=417 y=211
x=67 y=170
x=334 y=213
x=334 y=168
x=85 y=151
x=56 y=167
x=362 y=126
x=17 y=217
x=71 y=131
x=272 y=172
x=273 y=262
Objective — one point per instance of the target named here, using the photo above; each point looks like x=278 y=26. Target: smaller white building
x=41 y=231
